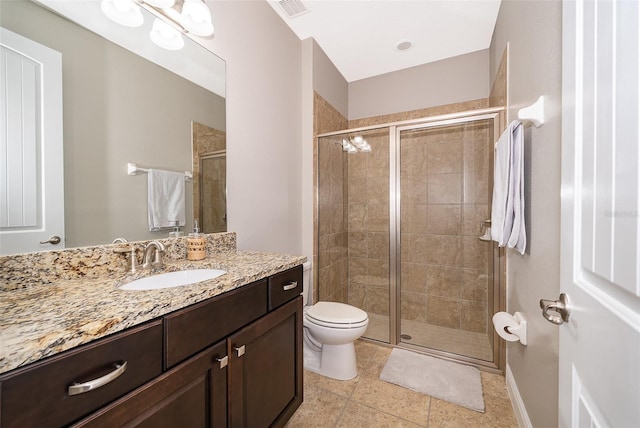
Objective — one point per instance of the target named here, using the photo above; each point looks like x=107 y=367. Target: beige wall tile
x=473 y=316
x=444 y=189
x=413 y=191
x=444 y=281
x=413 y=306
x=475 y=253
x=443 y=311
x=474 y=285
x=413 y=218
x=378 y=245
x=413 y=248
x=472 y=217
x=378 y=190
x=442 y=250
x=444 y=157
x=357 y=244
x=444 y=219
x=376 y=300
x=413 y=277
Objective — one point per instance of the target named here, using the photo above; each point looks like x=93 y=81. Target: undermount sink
x=173 y=279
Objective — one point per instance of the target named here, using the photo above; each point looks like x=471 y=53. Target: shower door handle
x=560 y=306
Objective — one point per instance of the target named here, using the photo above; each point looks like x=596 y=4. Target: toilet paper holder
x=511 y=328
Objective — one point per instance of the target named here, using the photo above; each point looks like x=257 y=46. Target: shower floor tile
x=466 y=343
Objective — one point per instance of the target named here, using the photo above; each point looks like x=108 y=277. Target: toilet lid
x=336 y=313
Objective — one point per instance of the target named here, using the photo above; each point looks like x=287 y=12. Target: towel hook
x=535 y=113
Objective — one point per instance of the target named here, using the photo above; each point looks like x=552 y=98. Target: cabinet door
x=265 y=374
x=193 y=394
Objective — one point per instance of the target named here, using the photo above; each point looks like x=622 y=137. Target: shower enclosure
x=399 y=228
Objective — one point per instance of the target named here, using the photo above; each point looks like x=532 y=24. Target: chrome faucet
x=153 y=249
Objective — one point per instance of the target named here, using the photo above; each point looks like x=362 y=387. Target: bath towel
x=165 y=199
x=507 y=207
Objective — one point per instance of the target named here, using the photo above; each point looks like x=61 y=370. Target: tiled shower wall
x=447 y=284
x=331 y=237
x=368 y=224
x=445 y=197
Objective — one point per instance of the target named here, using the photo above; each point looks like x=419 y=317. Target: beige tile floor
x=366 y=401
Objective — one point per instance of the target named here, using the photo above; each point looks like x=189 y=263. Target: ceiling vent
x=293 y=8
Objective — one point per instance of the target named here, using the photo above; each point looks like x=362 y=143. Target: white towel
x=507 y=208
x=165 y=199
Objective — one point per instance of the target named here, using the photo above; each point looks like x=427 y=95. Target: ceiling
x=361 y=36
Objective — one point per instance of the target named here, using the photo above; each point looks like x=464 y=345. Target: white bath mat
x=448 y=381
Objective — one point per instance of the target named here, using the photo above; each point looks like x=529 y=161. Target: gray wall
x=535 y=69
x=118 y=108
x=264 y=101
x=328 y=82
x=452 y=80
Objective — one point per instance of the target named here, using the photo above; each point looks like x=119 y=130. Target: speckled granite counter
x=46 y=317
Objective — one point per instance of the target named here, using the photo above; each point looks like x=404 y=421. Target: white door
x=600 y=270
x=31 y=159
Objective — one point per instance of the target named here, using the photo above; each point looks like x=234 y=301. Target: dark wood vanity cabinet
x=265 y=369
x=233 y=360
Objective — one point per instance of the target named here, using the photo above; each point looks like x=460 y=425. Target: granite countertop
x=45 y=319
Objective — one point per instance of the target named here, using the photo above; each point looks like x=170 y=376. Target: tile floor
x=367 y=402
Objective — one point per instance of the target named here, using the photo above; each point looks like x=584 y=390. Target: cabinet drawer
x=193 y=329
x=285 y=286
x=38 y=395
x=192 y=394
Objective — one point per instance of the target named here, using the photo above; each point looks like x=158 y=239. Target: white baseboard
x=516 y=401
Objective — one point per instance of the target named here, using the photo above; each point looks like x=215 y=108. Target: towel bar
x=134 y=169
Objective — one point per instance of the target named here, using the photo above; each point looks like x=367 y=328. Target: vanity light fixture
x=173 y=18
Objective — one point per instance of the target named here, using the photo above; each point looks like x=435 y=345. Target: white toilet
x=329 y=332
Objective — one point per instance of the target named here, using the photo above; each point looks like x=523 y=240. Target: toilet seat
x=336 y=315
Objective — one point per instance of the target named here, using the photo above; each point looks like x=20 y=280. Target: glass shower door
x=445 y=274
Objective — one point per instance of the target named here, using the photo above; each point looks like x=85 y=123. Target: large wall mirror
x=122 y=102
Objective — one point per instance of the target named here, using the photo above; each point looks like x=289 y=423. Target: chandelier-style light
x=173 y=18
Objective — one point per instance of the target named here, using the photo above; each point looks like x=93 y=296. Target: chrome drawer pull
x=223 y=361
x=80 y=388
x=290 y=286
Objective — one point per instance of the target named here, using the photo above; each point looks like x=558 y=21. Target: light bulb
x=165 y=36
x=124 y=12
x=162 y=4
x=196 y=18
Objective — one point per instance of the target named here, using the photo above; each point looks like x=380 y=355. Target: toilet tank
x=307 y=286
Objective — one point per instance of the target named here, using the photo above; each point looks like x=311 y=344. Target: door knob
x=560 y=306
x=55 y=240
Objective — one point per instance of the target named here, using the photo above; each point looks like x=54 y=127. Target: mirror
x=123 y=105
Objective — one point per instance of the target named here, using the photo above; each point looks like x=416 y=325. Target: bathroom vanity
x=229 y=355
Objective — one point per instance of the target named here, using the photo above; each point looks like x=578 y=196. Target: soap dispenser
x=196 y=243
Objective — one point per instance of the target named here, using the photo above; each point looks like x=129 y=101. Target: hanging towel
x=507 y=208
x=165 y=199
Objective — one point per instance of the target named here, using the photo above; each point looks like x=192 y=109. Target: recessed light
x=403 y=45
